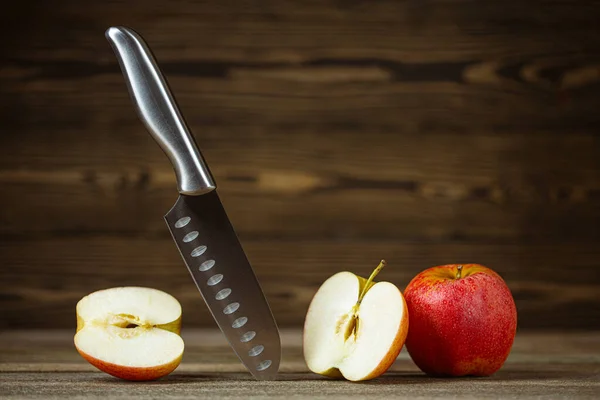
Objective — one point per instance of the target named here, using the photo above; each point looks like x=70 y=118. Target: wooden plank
x=269 y=97
x=440 y=29
x=293 y=204
x=42 y=280
x=43 y=363
x=322 y=184
x=540 y=365
x=120 y=144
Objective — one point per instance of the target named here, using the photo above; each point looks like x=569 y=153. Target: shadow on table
x=177 y=379
x=389 y=378
x=404 y=378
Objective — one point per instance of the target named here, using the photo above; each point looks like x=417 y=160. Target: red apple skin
x=133 y=373
x=462 y=326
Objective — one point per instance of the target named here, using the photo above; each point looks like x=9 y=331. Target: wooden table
x=44 y=364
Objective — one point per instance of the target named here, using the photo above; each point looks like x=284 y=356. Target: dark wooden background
x=340 y=132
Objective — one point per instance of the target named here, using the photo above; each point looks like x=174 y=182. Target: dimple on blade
x=215 y=258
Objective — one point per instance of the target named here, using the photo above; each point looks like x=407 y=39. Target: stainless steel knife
x=198 y=222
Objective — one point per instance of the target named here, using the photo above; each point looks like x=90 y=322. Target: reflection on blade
x=218 y=264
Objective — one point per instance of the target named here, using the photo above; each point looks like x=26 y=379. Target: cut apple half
x=130 y=332
x=354 y=327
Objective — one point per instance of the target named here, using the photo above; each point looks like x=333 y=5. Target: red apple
x=463 y=320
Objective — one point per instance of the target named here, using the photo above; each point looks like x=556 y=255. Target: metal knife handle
x=158 y=110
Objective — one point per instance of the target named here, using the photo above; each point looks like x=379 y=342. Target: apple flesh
x=463 y=320
x=130 y=332
x=354 y=327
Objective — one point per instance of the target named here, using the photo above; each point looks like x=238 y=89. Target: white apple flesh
x=130 y=332
x=357 y=338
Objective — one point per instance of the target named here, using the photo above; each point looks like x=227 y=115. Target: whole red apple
x=463 y=320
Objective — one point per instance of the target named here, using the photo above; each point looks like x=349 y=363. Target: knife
x=198 y=223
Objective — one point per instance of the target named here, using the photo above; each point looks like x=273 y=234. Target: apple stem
x=367 y=286
x=352 y=327
x=458 y=273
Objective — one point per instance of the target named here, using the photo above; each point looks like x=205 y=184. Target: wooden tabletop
x=44 y=364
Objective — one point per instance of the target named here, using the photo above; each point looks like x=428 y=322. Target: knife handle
x=159 y=112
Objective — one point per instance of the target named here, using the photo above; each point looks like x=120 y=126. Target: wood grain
x=440 y=185
x=43 y=279
x=339 y=133
x=414 y=30
x=43 y=363
x=276 y=204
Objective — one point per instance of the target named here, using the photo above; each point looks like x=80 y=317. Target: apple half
x=354 y=328
x=130 y=332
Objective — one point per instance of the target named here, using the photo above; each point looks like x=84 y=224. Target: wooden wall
x=340 y=132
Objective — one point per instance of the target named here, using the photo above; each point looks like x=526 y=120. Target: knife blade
x=198 y=222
